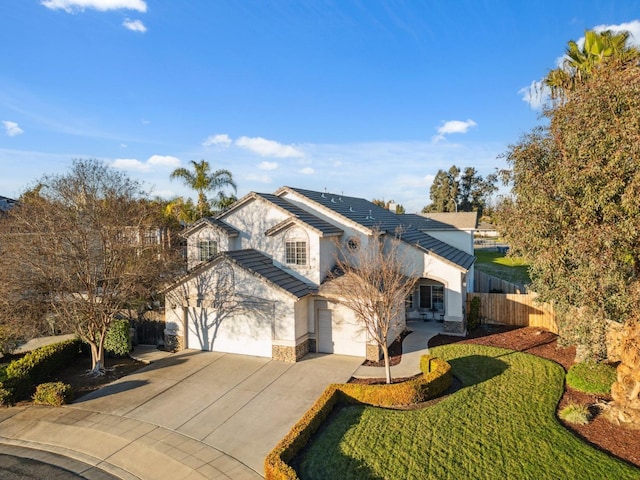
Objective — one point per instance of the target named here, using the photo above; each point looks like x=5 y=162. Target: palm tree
x=202 y=180
x=579 y=63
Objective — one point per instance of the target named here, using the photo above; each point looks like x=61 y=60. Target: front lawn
x=511 y=269
x=501 y=424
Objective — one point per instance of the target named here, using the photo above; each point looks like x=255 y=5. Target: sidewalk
x=413 y=347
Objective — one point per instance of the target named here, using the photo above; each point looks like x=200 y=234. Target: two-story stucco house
x=258 y=274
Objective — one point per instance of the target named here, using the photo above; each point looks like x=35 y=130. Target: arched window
x=296 y=247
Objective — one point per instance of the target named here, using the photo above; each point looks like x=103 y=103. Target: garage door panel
x=230 y=334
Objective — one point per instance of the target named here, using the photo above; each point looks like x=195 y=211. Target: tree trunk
x=626 y=390
x=97 y=357
x=387 y=364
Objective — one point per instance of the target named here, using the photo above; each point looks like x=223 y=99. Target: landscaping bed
x=76 y=373
x=500 y=424
x=621 y=442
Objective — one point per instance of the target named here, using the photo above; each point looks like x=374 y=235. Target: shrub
x=592 y=377
x=576 y=414
x=6 y=398
x=53 y=393
x=436 y=378
x=36 y=366
x=474 y=313
x=118 y=341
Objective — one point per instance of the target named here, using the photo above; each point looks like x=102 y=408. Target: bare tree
x=83 y=247
x=374 y=284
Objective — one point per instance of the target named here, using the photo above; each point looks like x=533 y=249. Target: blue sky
x=369 y=98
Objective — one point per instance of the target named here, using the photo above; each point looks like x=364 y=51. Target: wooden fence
x=485 y=283
x=515 y=309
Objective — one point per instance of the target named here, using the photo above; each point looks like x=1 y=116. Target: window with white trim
x=207 y=249
x=296 y=252
x=296 y=247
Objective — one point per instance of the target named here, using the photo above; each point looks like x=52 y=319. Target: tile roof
x=370 y=215
x=228 y=229
x=445 y=220
x=258 y=263
x=323 y=227
x=429 y=244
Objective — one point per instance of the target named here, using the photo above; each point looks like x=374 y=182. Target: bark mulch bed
x=618 y=441
x=76 y=373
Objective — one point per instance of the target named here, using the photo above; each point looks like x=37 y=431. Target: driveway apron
x=240 y=405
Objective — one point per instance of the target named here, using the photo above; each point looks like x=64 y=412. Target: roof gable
x=210 y=221
x=257 y=264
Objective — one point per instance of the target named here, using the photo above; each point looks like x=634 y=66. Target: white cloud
x=414 y=181
x=453 y=126
x=252 y=177
x=307 y=171
x=268 y=148
x=268 y=166
x=164 y=161
x=130 y=164
x=535 y=94
x=134 y=25
x=72 y=6
x=221 y=139
x=11 y=128
x=153 y=161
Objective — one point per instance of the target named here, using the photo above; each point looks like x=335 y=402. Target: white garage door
x=336 y=335
x=233 y=334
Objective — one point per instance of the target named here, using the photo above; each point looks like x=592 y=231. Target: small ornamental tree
x=374 y=284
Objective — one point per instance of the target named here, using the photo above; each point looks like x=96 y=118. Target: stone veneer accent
x=173 y=343
x=373 y=352
x=455 y=328
x=290 y=354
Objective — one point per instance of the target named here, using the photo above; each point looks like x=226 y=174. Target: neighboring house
x=6 y=203
x=259 y=282
x=486 y=229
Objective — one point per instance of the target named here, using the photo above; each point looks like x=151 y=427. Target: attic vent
x=340 y=199
x=323 y=195
x=369 y=217
x=333 y=200
x=351 y=209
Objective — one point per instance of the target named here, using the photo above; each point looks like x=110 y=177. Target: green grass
x=502 y=424
x=511 y=269
x=591 y=377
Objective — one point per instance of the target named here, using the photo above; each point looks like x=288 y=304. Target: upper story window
x=207 y=249
x=296 y=252
x=296 y=247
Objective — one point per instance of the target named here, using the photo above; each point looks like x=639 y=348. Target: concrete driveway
x=237 y=404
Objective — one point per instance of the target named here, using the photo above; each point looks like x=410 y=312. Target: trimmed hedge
x=36 y=366
x=435 y=379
